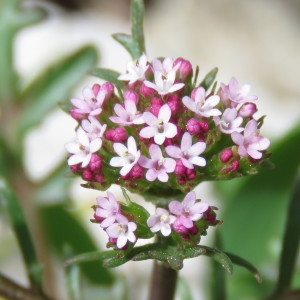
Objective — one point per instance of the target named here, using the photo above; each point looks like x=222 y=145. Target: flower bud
x=174 y=104
x=184 y=70
x=95 y=162
x=179 y=227
x=226 y=155
x=180 y=169
x=193 y=126
x=118 y=134
x=108 y=87
x=131 y=95
x=146 y=91
x=87 y=174
x=248 y=110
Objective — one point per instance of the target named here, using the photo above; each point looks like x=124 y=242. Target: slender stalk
x=13 y=291
x=163 y=282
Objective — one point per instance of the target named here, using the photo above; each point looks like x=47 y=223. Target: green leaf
x=108 y=75
x=209 y=79
x=244 y=263
x=19 y=225
x=12 y=19
x=255 y=206
x=290 y=242
x=134 y=44
x=220 y=257
x=54 y=85
x=63 y=229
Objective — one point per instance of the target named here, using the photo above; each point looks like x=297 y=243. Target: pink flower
x=158 y=165
x=135 y=70
x=161 y=221
x=188 y=153
x=82 y=149
x=251 y=143
x=93 y=128
x=107 y=210
x=127 y=114
x=92 y=102
x=164 y=77
x=128 y=156
x=122 y=230
x=188 y=210
x=229 y=121
x=235 y=94
x=200 y=105
x=159 y=127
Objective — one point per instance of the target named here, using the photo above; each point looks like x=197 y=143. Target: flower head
x=161 y=221
x=122 y=231
x=159 y=127
x=188 y=153
x=128 y=156
x=236 y=94
x=188 y=210
x=229 y=121
x=135 y=70
x=251 y=143
x=158 y=166
x=82 y=148
x=107 y=210
x=200 y=105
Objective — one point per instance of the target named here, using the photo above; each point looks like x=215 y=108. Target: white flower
x=82 y=149
x=201 y=106
x=135 y=70
x=127 y=114
x=229 y=121
x=93 y=128
x=188 y=153
x=122 y=231
x=161 y=221
x=128 y=156
x=159 y=127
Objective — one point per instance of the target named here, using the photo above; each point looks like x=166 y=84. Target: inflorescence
x=156 y=131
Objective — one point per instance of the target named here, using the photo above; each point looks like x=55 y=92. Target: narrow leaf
x=19 y=225
x=209 y=79
x=244 y=263
x=68 y=231
x=108 y=75
x=219 y=257
x=290 y=243
x=54 y=85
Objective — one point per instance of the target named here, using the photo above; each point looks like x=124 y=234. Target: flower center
x=163 y=218
x=160 y=125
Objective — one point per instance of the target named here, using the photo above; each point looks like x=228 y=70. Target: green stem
x=13 y=291
x=163 y=282
x=23 y=236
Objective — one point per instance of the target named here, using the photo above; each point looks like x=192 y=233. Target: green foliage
x=254 y=211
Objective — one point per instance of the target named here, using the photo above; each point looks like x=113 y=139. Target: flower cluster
x=188 y=219
x=156 y=127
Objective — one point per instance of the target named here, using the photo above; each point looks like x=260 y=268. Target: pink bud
x=185 y=68
x=75 y=168
x=154 y=108
x=204 y=126
x=75 y=115
x=137 y=172
x=96 y=88
x=180 y=169
x=99 y=178
x=178 y=226
x=157 y=101
x=226 y=155
x=131 y=95
x=193 y=126
x=95 y=162
x=108 y=87
x=146 y=91
x=174 y=104
x=87 y=174
x=235 y=165
x=191 y=173
x=118 y=134
x=248 y=110
x=193 y=230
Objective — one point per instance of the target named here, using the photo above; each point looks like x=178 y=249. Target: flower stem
x=163 y=282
